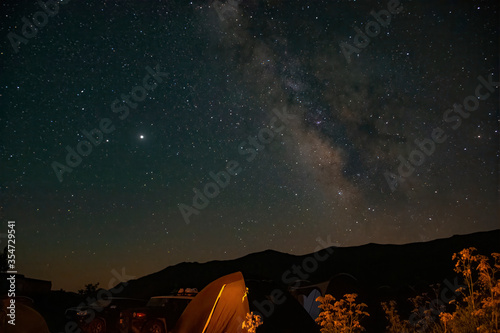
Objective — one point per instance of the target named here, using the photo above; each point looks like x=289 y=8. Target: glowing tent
x=27 y=319
x=307 y=294
x=220 y=307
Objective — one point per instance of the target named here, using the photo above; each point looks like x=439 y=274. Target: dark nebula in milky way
x=318 y=131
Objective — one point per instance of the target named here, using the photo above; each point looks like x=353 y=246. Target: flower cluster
x=342 y=316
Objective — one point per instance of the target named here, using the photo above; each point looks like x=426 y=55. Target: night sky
x=213 y=130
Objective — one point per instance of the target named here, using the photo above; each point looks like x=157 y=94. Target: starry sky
x=208 y=130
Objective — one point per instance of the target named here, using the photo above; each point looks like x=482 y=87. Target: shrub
x=477 y=309
x=251 y=322
x=341 y=316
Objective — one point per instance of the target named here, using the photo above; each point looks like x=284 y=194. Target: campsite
x=282 y=289
x=253 y=166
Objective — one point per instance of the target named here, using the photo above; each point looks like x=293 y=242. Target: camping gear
x=27 y=319
x=220 y=307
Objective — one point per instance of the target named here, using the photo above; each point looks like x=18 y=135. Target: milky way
x=353 y=121
x=264 y=130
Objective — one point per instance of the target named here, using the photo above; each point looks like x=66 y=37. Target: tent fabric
x=307 y=294
x=28 y=320
x=289 y=316
x=311 y=305
x=306 y=289
x=222 y=304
